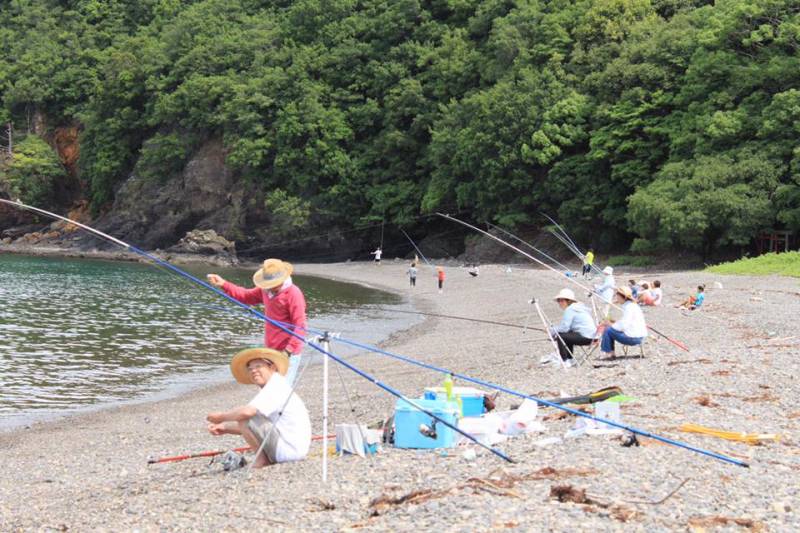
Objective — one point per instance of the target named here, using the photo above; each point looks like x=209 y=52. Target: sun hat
x=625 y=292
x=241 y=359
x=608 y=270
x=273 y=272
x=565 y=294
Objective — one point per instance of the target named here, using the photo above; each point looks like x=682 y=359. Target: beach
x=90 y=472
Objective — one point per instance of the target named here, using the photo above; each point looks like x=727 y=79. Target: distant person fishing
x=283 y=302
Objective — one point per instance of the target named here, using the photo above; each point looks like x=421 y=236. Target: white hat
x=608 y=270
x=565 y=294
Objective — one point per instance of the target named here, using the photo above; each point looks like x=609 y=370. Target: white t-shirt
x=657 y=295
x=632 y=322
x=377 y=253
x=291 y=421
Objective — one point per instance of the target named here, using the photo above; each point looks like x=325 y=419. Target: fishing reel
x=428 y=431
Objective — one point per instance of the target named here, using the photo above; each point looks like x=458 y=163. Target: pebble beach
x=90 y=472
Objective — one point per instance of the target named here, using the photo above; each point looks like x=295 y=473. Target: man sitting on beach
x=275 y=421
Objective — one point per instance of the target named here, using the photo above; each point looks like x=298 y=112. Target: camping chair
x=588 y=351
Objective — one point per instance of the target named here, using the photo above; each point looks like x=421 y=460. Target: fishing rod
x=212 y=453
x=563 y=231
x=546 y=403
x=415 y=247
x=572 y=280
x=569 y=243
x=453 y=317
x=262 y=316
x=532 y=247
x=399 y=357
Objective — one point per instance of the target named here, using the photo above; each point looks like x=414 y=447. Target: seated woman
x=576 y=327
x=275 y=423
x=630 y=330
x=651 y=295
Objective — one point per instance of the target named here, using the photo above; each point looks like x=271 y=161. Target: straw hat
x=625 y=292
x=608 y=270
x=272 y=273
x=565 y=294
x=240 y=360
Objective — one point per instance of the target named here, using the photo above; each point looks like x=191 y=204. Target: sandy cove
x=89 y=472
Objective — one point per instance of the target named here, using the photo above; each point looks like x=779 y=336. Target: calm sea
x=79 y=334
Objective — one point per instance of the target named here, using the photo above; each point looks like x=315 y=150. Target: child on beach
x=412 y=275
x=651 y=296
x=377 y=253
x=693 y=302
x=440 y=277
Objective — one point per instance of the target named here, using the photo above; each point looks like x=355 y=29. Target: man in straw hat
x=576 y=327
x=275 y=423
x=630 y=329
x=283 y=302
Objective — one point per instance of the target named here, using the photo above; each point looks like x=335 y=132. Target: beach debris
x=568 y=493
x=700 y=523
x=231 y=460
x=630 y=440
x=705 y=401
x=717 y=285
x=469 y=455
x=749 y=438
x=321 y=505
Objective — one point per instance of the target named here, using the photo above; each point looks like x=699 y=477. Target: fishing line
x=416 y=248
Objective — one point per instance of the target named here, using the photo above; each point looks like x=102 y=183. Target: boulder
x=206 y=242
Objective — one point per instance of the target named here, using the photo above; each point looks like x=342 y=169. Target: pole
x=326 y=344
x=547 y=328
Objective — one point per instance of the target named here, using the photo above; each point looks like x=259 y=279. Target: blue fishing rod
x=283 y=327
x=536 y=399
x=263 y=317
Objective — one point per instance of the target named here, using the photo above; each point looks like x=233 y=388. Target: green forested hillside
x=674 y=122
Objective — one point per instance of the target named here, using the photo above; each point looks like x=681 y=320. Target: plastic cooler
x=471 y=399
x=407 y=421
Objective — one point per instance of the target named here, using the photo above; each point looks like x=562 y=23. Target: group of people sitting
x=578 y=327
x=645 y=293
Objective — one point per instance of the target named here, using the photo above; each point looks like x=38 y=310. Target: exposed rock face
x=153 y=214
x=206 y=242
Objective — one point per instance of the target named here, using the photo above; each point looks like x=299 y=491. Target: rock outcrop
x=156 y=214
x=206 y=243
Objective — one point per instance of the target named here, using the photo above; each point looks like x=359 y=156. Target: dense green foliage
x=31 y=174
x=674 y=121
x=784 y=264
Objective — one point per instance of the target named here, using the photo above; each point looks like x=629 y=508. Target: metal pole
x=549 y=332
x=326 y=345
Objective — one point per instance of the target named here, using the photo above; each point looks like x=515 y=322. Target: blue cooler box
x=407 y=420
x=471 y=399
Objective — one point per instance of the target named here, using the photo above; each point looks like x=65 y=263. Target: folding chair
x=588 y=351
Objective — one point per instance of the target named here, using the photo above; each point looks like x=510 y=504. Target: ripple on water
x=79 y=333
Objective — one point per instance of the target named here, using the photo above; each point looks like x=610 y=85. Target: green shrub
x=33 y=171
x=784 y=264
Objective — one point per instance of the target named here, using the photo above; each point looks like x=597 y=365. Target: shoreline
x=739 y=377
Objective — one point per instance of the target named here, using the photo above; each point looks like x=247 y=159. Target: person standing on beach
x=412 y=275
x=440 y=277
x=606 y=289
x=283 y=302
x=588 y=261
x=377 y=253
x=275 y=423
